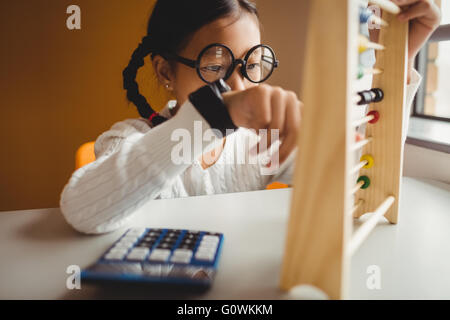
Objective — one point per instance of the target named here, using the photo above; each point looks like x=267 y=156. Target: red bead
x=376 y=116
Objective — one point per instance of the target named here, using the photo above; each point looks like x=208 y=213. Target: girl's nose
x=237 y=81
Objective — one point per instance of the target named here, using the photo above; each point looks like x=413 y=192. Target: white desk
x=36 y=246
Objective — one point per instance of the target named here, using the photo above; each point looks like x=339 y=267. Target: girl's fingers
x=278 y=101
x=417 y=10
x=292 y=125
x=407 y=2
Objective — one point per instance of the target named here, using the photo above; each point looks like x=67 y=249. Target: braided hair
x=170 y=36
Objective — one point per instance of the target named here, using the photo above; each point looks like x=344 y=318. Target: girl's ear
x=163 y=71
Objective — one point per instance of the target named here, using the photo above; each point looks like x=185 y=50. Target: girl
x=192 y=44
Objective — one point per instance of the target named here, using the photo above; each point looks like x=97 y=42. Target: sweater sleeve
x=131 y=167
x=285 y=173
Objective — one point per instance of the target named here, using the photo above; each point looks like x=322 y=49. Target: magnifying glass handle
x=222 y=86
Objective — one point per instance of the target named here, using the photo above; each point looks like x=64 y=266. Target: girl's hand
x=267 y=107
x=424 y=17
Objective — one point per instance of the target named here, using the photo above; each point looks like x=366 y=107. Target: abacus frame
x=320 y=239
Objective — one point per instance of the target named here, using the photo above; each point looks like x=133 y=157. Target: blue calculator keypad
x=160 y=255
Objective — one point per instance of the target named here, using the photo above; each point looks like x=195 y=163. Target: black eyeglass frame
x=195 y=64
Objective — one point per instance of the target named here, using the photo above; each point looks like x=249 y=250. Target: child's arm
x=132 y=167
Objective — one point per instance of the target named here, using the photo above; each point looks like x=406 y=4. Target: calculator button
x=211 y=245
x=141 y=250
x=204 y=256
x=153 y=234
x=114 y=256
x=149 y=239
x=208 y=245
x=122 y=245
x=170 y=239
x=188 y=241
x=159 y=255
x=181 y=259
x=206 y=250
x=182 y=252
x=146 y=244
x=165 y=246
x=209 y=238
x=172 y=234
x=118 y=250
x=138 y=254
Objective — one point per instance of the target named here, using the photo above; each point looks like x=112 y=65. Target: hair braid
x=131 y=86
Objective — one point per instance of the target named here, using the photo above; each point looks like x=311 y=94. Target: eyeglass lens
x=216 y=62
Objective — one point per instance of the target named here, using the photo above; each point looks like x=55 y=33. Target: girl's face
x=238 y=35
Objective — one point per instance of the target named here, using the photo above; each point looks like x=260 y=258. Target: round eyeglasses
x=217 y=61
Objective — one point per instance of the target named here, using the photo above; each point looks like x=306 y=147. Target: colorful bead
x=370 y=96
x=369 y=159
x=379 y=94
x=376 y=116
x=366 y=181
x=361 y=72
x=364 y=15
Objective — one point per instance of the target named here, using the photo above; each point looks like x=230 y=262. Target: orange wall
x=61 y=88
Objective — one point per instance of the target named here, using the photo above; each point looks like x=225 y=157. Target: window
x=430 y=123
x=433 y=62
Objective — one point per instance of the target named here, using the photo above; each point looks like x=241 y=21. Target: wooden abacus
x=320 y=239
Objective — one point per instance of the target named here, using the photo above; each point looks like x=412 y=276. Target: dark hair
x=170 y=27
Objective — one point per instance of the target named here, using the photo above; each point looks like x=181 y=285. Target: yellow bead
x=369 y=159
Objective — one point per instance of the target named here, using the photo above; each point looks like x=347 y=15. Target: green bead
x=366 y=181
x=360 y=72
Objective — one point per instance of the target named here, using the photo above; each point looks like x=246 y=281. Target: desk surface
x=36 y=246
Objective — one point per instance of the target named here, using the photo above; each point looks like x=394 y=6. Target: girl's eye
x=253 y=66
x=213 y=68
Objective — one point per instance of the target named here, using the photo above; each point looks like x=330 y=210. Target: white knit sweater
x=133 y=165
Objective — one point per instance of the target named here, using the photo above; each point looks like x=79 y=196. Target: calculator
x=184 y=259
